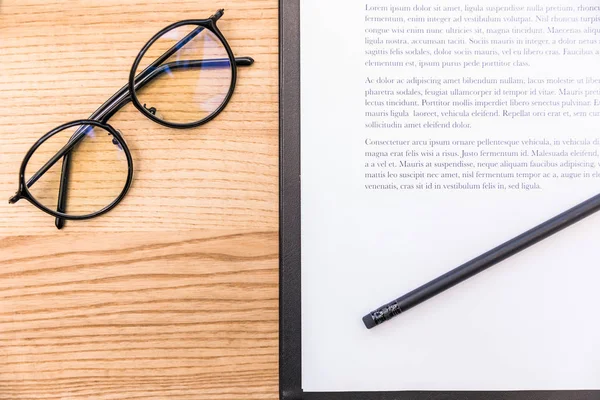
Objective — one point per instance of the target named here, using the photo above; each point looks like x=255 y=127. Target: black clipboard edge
x=290 y=300
x=521 y=395
x=290 y=351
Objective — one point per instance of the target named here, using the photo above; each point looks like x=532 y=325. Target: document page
x=432 y=132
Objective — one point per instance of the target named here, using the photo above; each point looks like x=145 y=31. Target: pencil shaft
x=482 y=262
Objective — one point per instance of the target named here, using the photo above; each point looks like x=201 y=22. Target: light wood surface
x=173 y=294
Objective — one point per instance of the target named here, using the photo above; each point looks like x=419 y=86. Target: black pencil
x=482 y=262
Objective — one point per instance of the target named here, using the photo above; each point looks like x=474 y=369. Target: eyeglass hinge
x=215 y=17
x=18 y=196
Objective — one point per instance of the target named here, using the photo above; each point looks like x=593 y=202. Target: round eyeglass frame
x=206 y=24
x=25 y=194
x=126 y=94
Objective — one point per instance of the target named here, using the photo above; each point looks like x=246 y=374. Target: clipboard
x=290 y=380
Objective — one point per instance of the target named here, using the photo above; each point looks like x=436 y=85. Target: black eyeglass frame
x=24 y=192
x=110 y=107
x=209 y=24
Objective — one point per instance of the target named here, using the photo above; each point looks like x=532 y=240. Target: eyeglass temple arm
x=110 y=108
x=122 y=99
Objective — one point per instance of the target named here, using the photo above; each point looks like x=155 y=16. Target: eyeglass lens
x=191 y=84
x=97 y=172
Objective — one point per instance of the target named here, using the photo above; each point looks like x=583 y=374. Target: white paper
x=529 y=323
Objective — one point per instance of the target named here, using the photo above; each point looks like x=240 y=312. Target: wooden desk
x=173 y=294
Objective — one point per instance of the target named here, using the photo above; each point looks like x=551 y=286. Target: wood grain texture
x=173 y=294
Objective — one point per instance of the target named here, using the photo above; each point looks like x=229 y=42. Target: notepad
x=432 y=132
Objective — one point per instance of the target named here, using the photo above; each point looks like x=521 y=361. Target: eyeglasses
x=182 y=78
